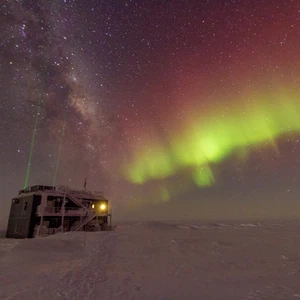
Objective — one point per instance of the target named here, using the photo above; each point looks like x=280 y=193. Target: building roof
x=59 y=191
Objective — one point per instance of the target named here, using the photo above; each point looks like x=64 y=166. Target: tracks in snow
x=81 y=282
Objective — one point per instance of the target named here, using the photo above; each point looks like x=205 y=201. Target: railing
x=71 y=210
x=98 y=193
x=63 y=188
x=43 y=231
x=79 y=224
x=59 y=210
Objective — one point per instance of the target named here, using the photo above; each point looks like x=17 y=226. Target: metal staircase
x=75 y=199
x=79 y=224
x=72 y=196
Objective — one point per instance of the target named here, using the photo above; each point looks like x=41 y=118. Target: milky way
x=151 y=100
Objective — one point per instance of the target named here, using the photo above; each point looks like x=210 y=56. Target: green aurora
x=215 y=134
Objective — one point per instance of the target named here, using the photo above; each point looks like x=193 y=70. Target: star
x=153 y=101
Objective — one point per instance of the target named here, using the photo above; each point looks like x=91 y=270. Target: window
x=25 y=205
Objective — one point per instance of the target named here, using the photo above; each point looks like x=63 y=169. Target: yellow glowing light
x=93 y=205
x=102 y=206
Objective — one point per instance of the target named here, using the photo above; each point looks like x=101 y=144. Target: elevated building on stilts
x=44 y=210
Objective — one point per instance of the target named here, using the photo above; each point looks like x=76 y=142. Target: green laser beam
x=36 y=121
x=60 y=147
x=38 y=108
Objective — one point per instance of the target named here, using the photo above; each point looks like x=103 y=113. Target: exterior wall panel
x=19 y=218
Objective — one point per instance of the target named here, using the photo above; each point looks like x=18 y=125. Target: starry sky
x=175 y=109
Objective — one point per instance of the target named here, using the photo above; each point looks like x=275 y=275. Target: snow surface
x=156 y=260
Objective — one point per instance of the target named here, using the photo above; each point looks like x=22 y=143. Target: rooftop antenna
x=84 y=185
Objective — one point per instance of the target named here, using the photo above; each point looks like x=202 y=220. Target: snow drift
x=156 y=260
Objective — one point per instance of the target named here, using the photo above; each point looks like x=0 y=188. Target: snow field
x=156 y=260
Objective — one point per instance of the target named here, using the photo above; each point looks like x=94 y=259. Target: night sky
x=175 y=109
